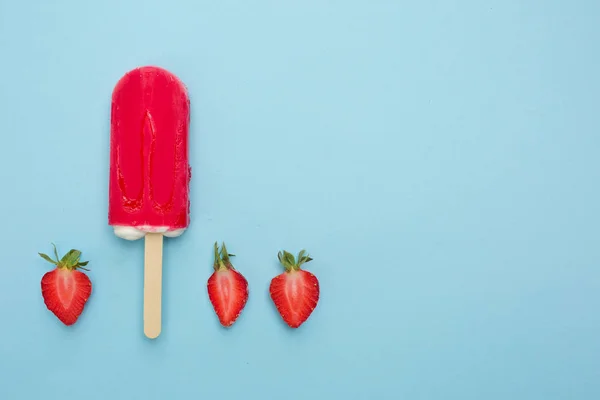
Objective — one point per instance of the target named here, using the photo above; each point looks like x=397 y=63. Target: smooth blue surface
x=438 y=159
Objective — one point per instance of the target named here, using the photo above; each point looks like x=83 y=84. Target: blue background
x=438 y=159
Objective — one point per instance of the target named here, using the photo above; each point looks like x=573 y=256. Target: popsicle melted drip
x=131 y=204
x=152 y=167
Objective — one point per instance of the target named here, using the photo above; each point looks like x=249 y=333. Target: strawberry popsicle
x=149 y=171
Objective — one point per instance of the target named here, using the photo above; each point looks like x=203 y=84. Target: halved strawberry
x=294 y=292
x=227 y=288
x=64 y=289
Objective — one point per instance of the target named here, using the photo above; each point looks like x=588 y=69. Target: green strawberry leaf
x=79 y=266
x=45 y=257
x=301 y=254
x=219 y=260
x=71 y=258
x=289 y=258
x=303 y=258
x=55 y=252
x=224 y=254
x=290 y=262
x=217 y=257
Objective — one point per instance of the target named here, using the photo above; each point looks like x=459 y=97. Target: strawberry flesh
x=295 y=295
x=228 y=293
x=65 y=293
x=227 y=288
x=296 y=291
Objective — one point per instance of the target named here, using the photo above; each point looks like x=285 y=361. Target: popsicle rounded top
x=149 y=166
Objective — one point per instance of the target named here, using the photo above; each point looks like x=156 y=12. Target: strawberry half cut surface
x=65 y=289
x=294 y=292
x=227 y=288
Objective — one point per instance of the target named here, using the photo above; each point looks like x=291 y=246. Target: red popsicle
x=149 y=171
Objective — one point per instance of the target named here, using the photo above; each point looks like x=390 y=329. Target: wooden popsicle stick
x=152 y=284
